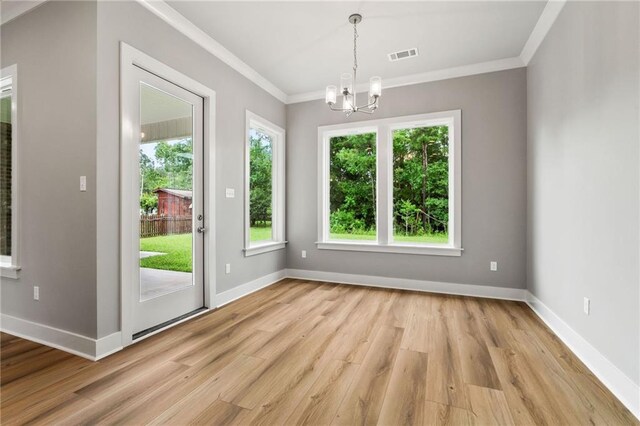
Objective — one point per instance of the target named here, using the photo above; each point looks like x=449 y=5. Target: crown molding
x=545 y=22
x=426 y=77
x=189 y=29
x=16 y=9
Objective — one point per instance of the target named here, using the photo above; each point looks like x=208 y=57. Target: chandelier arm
x=365 y=110
x=332 y=108
x=369 y=105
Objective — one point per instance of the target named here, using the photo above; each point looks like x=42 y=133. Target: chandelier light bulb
x=375 y=87
x=331 y=95
x=346 y=83
x=347 y=102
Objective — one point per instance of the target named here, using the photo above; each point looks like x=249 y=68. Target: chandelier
x=348 y=82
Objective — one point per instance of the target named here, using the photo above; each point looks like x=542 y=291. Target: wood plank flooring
x=302 y=352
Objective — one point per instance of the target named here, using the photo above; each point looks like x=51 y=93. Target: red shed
x=174 y=202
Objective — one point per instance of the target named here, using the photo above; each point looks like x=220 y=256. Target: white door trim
x=130 y=58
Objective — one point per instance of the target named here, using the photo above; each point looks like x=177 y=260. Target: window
x=8 y=173
x=264 y=186
x=352 y=187
x=392 y=185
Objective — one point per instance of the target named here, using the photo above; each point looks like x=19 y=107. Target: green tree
x=353 y=182
x=172 y=167
x=260 y=179
x=421 y=174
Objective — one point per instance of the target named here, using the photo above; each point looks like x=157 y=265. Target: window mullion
x=384 y=192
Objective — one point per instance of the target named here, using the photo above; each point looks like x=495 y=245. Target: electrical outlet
x=587 y=305
x=493 y=265
x=227 y=268
x=83 y=183
x=304 y=254
x=230 y=193
x=36 y=292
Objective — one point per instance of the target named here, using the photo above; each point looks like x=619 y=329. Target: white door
x=169 y=192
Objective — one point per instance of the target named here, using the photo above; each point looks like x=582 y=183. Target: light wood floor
x=304 y=352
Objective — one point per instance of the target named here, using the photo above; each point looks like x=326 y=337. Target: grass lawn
x=430 y=238
x=177 y=249
x=261 y=233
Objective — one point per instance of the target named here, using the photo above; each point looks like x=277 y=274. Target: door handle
x=201 y=229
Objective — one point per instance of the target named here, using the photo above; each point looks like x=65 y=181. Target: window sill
x=264 y=248
x=7 y=271
x=391 y=248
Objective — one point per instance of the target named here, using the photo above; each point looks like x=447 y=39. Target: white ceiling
x=157 y=106
x=293 y=49
x=301 y=47
x=11 y=9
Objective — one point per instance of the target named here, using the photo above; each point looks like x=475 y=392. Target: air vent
x=403 y=54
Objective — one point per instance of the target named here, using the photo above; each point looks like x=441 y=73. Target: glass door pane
x=166 y=193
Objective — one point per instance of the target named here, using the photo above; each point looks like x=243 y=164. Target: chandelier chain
x=355 y=51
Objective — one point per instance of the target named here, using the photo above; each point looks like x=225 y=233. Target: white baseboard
x=408 y=284
x=229 y=296
x=107 y=345
x=76 y=344
x=615 y=380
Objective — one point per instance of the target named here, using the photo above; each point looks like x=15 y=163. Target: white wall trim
x=278 y=184
x=615 y=380
x=383 y=129
x=252 y=286
x=189 y=29
x=410 y=284
x=83 y=346
x=108 y=345
x=545 y=22
x=10 y=265
x=426 y=77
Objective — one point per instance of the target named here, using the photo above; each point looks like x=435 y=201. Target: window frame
x=10 y=265
x=278 y=242
x=384 y=184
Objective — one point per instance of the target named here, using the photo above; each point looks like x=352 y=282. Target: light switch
x=83 y=183
x=231 y=193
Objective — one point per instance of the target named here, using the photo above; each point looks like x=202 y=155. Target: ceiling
x=293 y=49
x=157 y=106
x=301 y=47
x=11 y=9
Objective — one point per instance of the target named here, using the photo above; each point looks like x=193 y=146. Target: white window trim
x=278 y=186
x=384 y=184
x=10 y=265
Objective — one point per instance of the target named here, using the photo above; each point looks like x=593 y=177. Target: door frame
x=130 y=59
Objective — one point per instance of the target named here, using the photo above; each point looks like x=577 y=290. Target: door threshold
x=168 y=324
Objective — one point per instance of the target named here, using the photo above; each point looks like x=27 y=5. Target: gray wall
x=54 y=48
x=583 y=191
x=131 y=23
x=493 y=182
